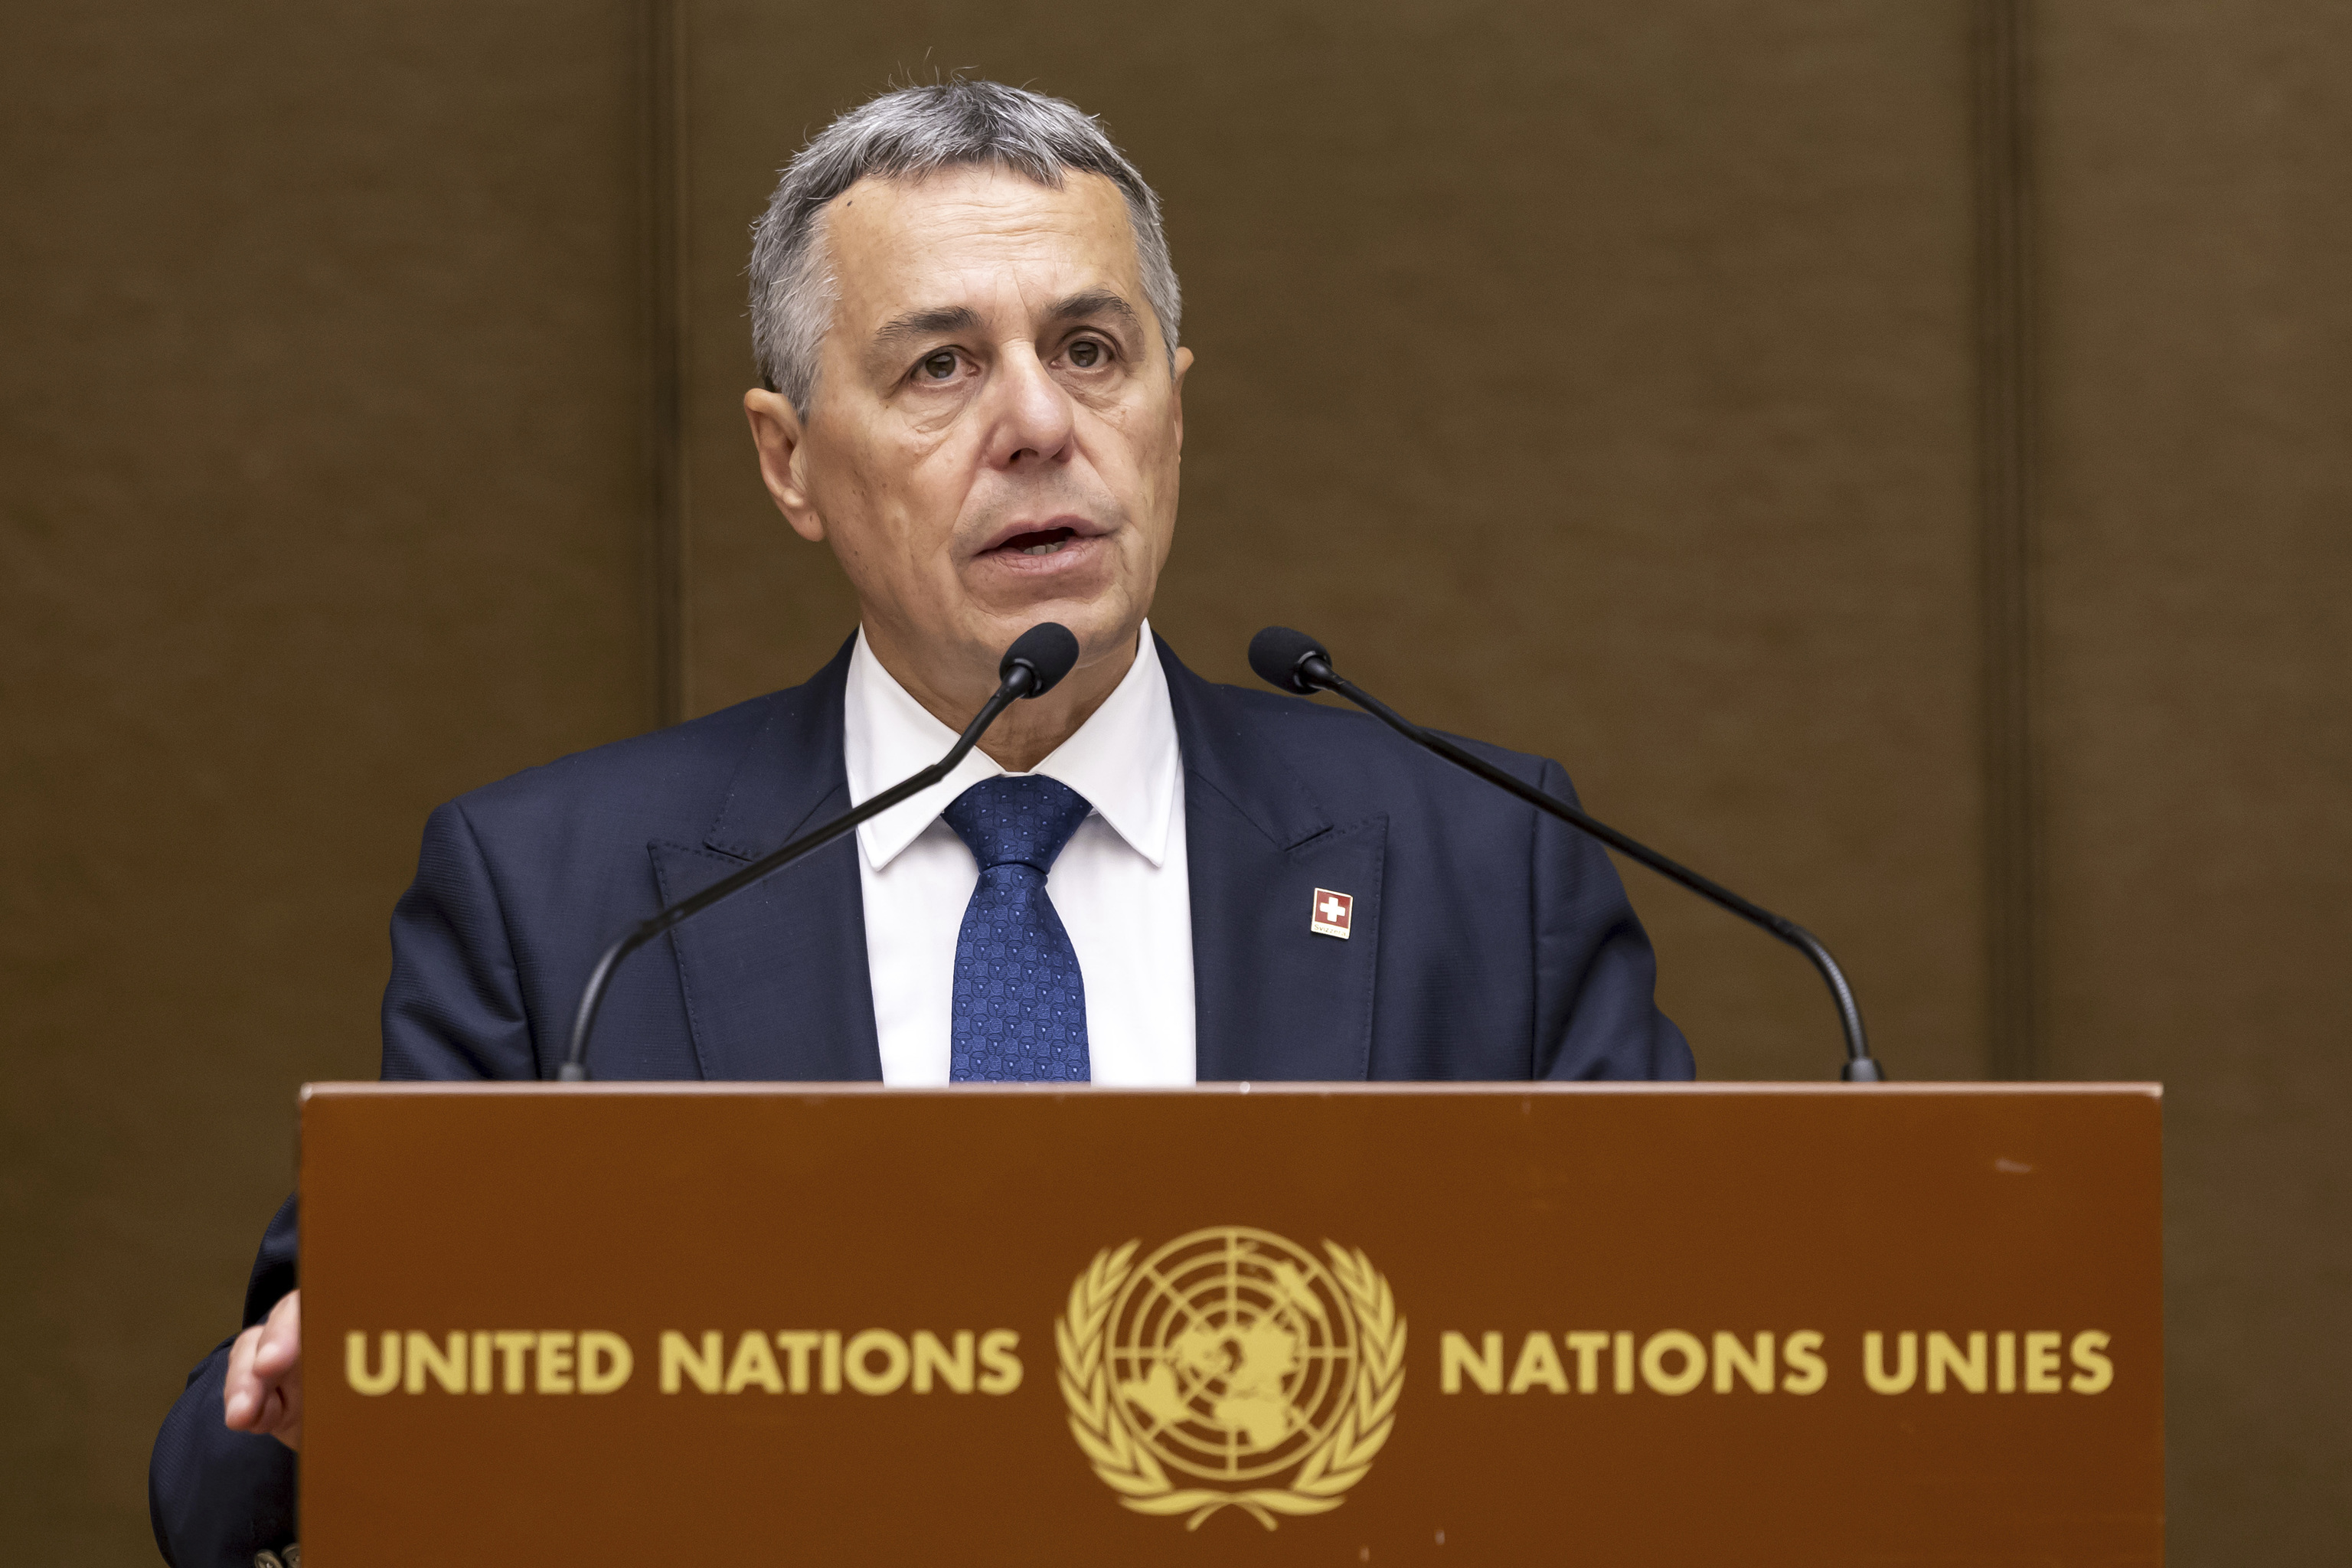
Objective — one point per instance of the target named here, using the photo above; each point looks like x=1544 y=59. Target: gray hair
x=907 y=134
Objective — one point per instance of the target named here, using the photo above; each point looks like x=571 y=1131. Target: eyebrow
x=901 y=331
x=1094 y=303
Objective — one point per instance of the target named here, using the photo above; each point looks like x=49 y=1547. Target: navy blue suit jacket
x=1488 y=941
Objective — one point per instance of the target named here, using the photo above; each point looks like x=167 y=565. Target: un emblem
x=1231 y=1368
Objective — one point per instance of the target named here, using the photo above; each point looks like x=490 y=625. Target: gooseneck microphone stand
x=1032 y=666
x=1292 y=661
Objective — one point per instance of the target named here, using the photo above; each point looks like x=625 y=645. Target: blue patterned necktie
x=1020 y=1004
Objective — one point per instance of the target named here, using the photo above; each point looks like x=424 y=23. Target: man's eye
x=938 y=366
x=1085 y=354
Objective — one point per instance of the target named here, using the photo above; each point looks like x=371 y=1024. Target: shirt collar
x=1123 y=759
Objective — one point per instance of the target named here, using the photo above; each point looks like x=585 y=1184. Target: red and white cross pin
x=1332 y=914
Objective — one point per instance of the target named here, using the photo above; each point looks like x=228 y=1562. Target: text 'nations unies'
x=1674 y=1362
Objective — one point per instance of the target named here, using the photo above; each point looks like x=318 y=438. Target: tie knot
x=1026 y=820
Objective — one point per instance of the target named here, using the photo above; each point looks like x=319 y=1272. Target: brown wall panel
x=320 y=479
x=2197 y=604
x=1624 y=350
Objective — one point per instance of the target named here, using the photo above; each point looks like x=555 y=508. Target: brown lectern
x=825 y=1324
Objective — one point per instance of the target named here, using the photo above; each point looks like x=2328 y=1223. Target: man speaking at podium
x=966 y=323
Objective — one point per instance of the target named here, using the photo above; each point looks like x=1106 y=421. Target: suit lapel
x=775 y=978
x=1273 y=1000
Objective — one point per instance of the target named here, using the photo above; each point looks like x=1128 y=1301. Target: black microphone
x=1292 y=661
x=1032 y=667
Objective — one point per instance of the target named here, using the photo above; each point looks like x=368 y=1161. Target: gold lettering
x=753 y=1363
x=1943 y=1356
x=513 y=1345
x=355 y=1373
x=1539 y=1362
x=1001 y=1370
x=931 y=1356
x=1731 y=1356
x=1588 y=1347
x=2041 y=1361
x=482 y=1379
x=1807 y=1371
x=2004 y=1362
x=1454 y=1358
x=796 y=1344
x=857 y=1362
x=1673 y=1341
x=605 y=1362
x=554 y=1361
x=829 y=1363
x=678 y=1359
x=1873 y=1362
x=2097 y=1371
x=1624 y=1362
x=425 y=1356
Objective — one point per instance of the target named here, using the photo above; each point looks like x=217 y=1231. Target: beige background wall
x=322 y=466
x=1635 y=352
x=2198 y=706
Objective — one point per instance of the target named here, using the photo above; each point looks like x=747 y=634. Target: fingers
x=282 y=1347
x=262 y=1389
x=241 y=1392
x=281 y=1418
x=281 y=1355
x=280 y=1351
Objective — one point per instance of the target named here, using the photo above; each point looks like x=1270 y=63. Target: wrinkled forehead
x=980 y=238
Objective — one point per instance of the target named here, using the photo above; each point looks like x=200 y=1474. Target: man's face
x=995 y=432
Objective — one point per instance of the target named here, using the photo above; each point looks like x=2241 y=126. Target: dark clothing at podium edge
x=1487 y=942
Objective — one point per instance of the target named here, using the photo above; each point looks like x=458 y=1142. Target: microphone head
x=1276 y=653
x=1049 y=649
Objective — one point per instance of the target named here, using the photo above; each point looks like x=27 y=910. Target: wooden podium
x=1331 y=1324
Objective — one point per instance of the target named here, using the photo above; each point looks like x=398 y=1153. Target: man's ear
x=778 y=433
x=1176 y=396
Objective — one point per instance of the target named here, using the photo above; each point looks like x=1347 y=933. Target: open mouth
x=1043 y=542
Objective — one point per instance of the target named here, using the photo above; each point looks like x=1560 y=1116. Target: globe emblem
x=1234 y=1353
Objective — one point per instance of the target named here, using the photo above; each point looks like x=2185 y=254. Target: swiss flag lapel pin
x=1332 y=915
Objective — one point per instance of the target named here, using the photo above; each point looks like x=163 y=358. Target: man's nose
x=1031 y=418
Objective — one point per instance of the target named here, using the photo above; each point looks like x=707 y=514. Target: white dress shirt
x=1120 y=885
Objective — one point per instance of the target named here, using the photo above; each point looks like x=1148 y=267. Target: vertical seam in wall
x=2005 y=372
x=662 y=141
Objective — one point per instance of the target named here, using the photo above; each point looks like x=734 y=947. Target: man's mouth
x=1043 y=542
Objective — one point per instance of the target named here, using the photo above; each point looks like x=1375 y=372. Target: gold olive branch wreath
x=1131 y=1469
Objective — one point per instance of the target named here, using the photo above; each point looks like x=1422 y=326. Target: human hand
x=263 y=1390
